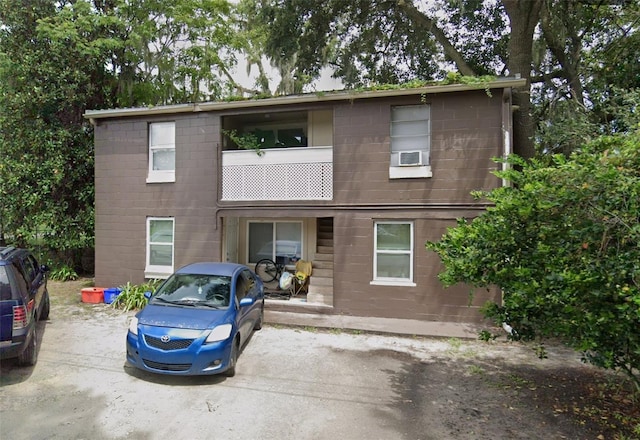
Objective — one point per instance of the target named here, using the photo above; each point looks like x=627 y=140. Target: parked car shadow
x=11 y=372
x=165 y=379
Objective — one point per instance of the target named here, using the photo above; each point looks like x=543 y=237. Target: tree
x=563 y=244
x=554 y=44
x=46 y=173
x=174 y=51
x=584 y=68
x=58 y=59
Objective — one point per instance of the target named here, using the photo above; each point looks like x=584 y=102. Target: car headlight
x=133 y=325
x=220 y=333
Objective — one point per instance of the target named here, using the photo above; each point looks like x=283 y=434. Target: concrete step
x=325 y=227
x=321 y=281
x=320 y=296
x=322 y=272
x=324 y=250
x=322 y=264
x=325 y=242
x=323 y=257
x=320 y=289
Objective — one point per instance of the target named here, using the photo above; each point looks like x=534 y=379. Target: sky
x=324 y=83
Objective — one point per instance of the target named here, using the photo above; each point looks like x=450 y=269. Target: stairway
x=321 y=281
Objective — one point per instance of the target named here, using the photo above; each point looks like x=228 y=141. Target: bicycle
x=268 y=270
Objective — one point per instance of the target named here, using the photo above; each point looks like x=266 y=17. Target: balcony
x=304 y=173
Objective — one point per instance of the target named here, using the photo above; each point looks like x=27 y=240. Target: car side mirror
x=247 y=301
x=147 y=295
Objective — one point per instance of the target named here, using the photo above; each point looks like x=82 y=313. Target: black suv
x=24 y=299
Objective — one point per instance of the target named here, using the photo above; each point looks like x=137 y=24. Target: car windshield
x=192 y=289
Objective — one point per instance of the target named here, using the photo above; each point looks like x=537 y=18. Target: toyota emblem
x=165 y=338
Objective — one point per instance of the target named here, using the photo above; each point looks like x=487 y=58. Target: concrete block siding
x=467 y=131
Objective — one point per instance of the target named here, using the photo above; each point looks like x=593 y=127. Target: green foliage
x=563 y=244
x=132 y=297
x=486 y=336
x=46 y=173
x=580 y=57
x=173 y=51
x=245 y=141
x=64 y=273
x=58 y=59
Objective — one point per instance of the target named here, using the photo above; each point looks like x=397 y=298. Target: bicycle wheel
x=267 y=270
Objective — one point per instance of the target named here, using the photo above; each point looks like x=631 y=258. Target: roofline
x=340 y=95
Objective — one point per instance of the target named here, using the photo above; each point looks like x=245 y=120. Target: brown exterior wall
x=428 y=300
x=466 y=133
x=124 y=200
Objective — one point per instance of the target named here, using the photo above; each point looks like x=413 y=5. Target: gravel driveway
x=291 y=384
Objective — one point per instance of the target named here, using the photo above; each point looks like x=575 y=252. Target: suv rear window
x=5 y=288
x=21 y=282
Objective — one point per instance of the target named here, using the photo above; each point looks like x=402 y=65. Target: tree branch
x=557 y=48
x=233 y=82
x=422 y=21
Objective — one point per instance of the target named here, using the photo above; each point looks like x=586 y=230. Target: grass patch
x=476 y=370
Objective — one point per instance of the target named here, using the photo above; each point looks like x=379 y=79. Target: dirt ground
x=435 y=388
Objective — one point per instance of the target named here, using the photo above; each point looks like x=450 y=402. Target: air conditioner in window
x=410 y=158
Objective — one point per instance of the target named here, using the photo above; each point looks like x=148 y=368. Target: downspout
x=507 y=131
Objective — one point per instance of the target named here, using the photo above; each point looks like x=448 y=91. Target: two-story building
x=355 y=182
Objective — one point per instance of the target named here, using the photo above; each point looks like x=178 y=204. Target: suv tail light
x=19 y=317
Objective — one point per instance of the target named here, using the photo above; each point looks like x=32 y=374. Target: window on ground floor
x=160 y=247
x=393 y=252
x=280 y=241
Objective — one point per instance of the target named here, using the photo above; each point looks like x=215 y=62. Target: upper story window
x=160 y=247
x=162 y=152
x=280 y=136
x=269 y=130
x=410 y=141
x=393 y=253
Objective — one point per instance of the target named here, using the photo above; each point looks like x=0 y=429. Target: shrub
x=64 y=273
x=132 y=296
x=563 y=245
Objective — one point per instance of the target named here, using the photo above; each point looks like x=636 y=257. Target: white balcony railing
x=279 y=174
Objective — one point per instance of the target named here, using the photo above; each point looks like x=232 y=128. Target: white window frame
x=161 y=176
x=392 y=281
x=158 y=271
x=423 y=144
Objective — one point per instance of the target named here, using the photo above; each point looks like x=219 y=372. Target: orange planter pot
x=93 y=295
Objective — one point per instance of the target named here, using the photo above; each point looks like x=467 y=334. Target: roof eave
x=340 y=95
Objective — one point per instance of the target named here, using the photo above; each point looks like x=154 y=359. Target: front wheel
x=267 y=270
x=233 y=359
x=44 y=314
x=258 y=324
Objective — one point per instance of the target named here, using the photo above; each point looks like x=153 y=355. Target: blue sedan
x=197 y=321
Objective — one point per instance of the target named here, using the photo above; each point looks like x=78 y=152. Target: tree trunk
x=564 y=44
x=523 y=17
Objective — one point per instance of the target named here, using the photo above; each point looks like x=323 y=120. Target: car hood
x=183 y=317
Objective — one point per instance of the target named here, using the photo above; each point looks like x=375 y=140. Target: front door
x=231 y=238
